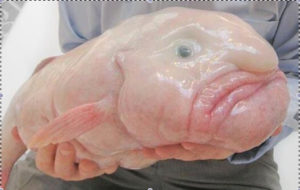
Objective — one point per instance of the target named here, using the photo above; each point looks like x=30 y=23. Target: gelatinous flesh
x=174 y=77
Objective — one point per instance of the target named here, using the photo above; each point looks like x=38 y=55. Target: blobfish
x=177 y=76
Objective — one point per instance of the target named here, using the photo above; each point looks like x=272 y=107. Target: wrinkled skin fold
x=178 y=83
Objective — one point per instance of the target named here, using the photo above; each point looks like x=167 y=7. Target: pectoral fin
x=70 y=125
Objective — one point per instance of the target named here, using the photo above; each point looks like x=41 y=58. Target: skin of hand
x=191 y=151
x=59 y=161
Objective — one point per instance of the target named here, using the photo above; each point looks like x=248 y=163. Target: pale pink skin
x=229 y=95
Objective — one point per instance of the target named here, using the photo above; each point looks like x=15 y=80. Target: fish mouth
x=212 y=105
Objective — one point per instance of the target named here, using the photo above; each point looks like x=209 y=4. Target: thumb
x=15 y=134
x=277 y=131
x=4 y=176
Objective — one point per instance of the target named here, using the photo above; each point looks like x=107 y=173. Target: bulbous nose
x=252 y=54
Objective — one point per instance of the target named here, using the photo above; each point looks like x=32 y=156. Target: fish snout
x=252 y=54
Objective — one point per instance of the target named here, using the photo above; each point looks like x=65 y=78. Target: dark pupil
x=184 y=51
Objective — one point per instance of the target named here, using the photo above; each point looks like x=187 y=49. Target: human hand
x=13 y=148
x=187 y=151
x=190 y=151
x=59 y=161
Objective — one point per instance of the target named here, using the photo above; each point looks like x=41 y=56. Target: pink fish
x=174 y=77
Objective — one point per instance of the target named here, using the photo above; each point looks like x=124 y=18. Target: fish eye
x=184 y=51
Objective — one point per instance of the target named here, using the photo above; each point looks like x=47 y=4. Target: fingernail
x=187 y=146
x=64 y=149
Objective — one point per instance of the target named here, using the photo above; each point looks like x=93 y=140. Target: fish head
x=200 y=76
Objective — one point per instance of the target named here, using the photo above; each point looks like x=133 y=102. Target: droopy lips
x=211 y=105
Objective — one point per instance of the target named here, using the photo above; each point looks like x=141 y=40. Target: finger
x=4 y=176
x=169 y=152
x=189 y=146
x=64 y=165
x=150 y=153
x=193 y=147
x=111 y=169
x=185 y=155
x=15 y=134
x=277 y=131
x=88 y=169
x=205 y=151
x=172 y=151
x=45 y=159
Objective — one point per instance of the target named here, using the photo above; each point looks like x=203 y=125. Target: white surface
x=34 y=37
x=286 y=156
